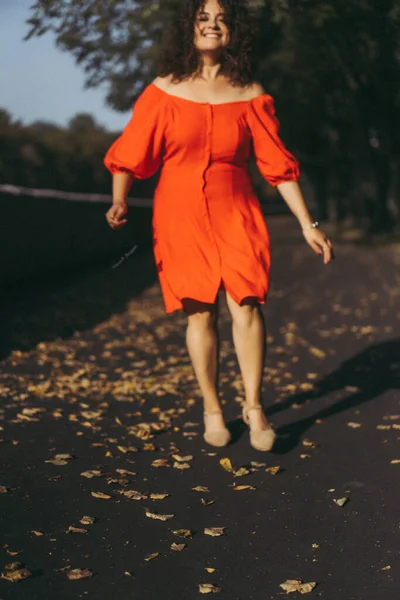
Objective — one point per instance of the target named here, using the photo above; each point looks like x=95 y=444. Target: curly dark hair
x=179 y=57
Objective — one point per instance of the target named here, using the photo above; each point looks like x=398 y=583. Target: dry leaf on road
x=341 y=501
x=295 y=585
x=185 y=533
x=87 y=520
x=79 y=574
x=214 y=531
x=101 y=495
x=177 y=547
x=158 y=517
x=151 y=556
x=226 y=464
x=208 y=588
x=201 y=488
x=72 y=529
x=273 y=470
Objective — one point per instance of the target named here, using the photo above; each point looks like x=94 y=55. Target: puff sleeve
x=274 y=161
x=139 y=148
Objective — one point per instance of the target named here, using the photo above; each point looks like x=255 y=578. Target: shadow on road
x=372 y=372
x=56 y=307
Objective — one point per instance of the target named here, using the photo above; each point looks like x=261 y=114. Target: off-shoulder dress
x=208 y=228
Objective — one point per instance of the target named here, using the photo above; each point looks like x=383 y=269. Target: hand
x=319 y=243
x=115 y=216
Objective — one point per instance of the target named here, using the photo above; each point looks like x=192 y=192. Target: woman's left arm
x=292 y=195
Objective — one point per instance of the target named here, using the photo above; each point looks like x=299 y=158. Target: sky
x=40 y=82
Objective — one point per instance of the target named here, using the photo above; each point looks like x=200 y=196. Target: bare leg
x=248 y=331
x=202 y=342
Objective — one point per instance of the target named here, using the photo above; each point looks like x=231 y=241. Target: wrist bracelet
x=314 y=225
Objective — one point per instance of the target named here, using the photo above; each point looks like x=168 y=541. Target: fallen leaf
x=132 y=494
x=256 y=464
x=305 y=456
x=151 y=556
x=386 y=568
x=158 y=496
x=208 y=588
x=317 y=352
x=125 y=472
x=101 y=495
x=87 y=520
x=91 y=474
x=214 y=531
x=226 y=464
x=56 y=462
x=177 y=547
x=273 y=470
x=182 y=459
x=295 y=585
x=15 y=573
x=207 y=502
x=309 y=444
x=200 y=488
x=353 y=425
x=178 y=465
x=384 y=427
x=158 y=517
x=63 y=456
x=395 y=462
x=160 y=462
x=185 y=533
x=241 y=472
x=3 y=489
x=72 y=529
x=210 y=570
x=79 y=574
x=241 y=488
x=341 y=501
x=37 y=533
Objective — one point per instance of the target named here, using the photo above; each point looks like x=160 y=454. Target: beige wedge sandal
x=260 y=439
x=215 y=436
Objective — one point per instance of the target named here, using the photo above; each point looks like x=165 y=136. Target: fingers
x=115 y=217
x=321 y=246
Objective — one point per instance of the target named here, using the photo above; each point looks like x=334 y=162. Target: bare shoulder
x=163 y=82
x=254 y=90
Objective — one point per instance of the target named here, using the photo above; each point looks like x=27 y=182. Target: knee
x=201 y=320
x=244 y=316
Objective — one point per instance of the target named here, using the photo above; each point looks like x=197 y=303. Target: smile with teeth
x=212 y=35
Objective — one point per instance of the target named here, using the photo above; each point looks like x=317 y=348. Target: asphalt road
x=91 y=368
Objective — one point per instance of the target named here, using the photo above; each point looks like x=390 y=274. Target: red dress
x=208 y=227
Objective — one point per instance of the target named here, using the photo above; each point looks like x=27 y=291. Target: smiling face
x=211 y=31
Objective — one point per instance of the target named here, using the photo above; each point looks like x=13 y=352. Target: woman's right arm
x=121 y=185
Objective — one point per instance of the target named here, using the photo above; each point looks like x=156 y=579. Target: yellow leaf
x=226 y=464
x=91 y=474
x=295 y=585
x=182 y=459
x=15 y=575
x=273 y=470
x=72 y=529
x=158 y=496
x=208 y=588
x=241 y=472
x=151 y=556
x=160 y=462
x=37 y=533
x=395 y=462
x=177 y=547
x=317 y=352
x=207 y=502
x=158 y=517
x=214 y=531
x=305 y=456
x=181 y=466
x=79 y=574
x=209 y=570
x=87 y=520
x=101 y=495
x=341 y=501
x=200 y=488
x=353 y=425
x=185 y=533
x=241 y=488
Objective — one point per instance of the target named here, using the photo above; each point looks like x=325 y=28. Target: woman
x=200 y=120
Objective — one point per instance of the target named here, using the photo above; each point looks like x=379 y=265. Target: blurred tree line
x=43 y=155
x=333 y=68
